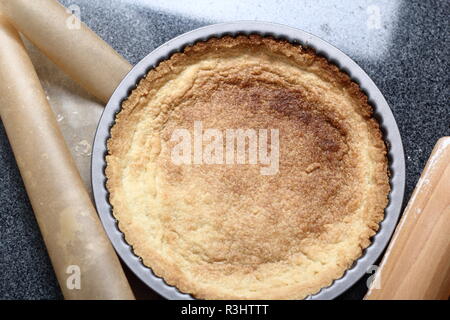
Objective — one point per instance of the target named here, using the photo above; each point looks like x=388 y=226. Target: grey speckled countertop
x=403 y=45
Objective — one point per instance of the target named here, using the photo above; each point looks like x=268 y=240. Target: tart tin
x=381 y=111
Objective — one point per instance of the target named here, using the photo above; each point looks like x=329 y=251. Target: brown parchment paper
x=76 y=111
x=69 y=43
x=77 y=114
x=83 y=259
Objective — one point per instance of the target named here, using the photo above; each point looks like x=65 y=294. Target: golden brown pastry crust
x=227 y=232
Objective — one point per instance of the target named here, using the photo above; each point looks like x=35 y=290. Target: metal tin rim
x=381 y=111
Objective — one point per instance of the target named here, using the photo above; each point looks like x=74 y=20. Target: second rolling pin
x=417 y=262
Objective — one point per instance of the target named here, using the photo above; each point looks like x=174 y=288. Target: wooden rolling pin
x=82 y=256
x=417 y=262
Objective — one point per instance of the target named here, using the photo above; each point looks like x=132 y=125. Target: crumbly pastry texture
x=226 y=231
